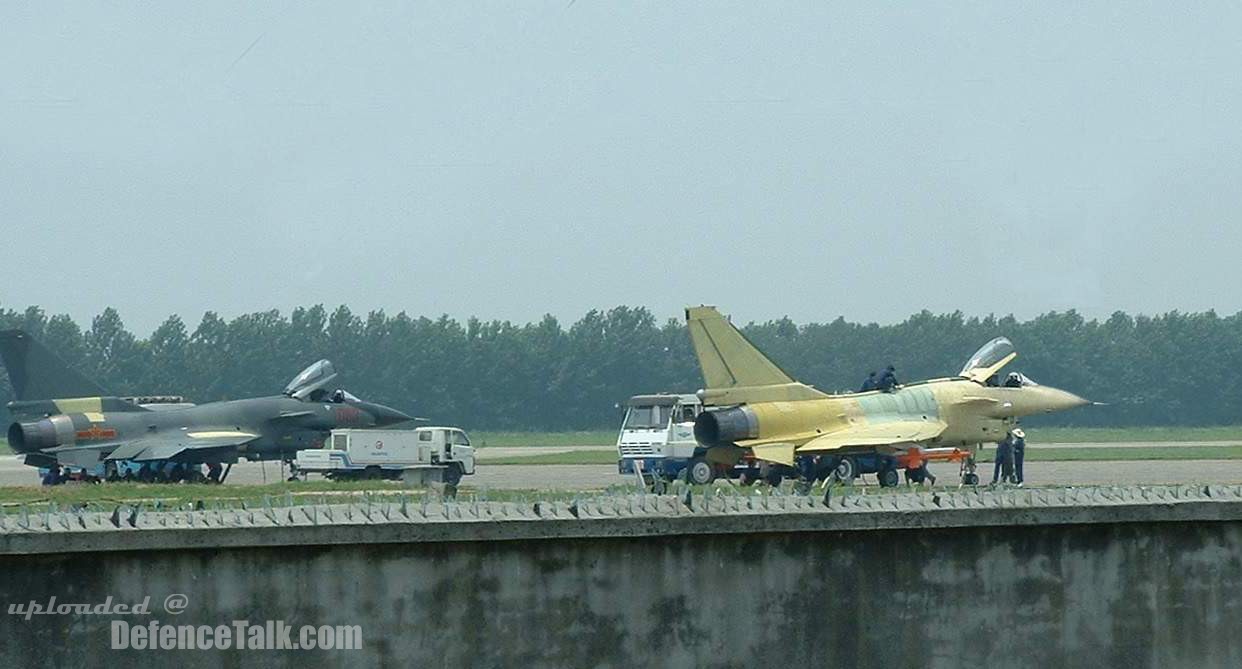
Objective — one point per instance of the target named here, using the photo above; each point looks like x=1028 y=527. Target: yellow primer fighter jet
x=756 y=409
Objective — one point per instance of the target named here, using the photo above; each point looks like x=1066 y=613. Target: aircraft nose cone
x=1061 y=400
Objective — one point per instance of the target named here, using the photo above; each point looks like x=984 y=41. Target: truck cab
x=657 y=441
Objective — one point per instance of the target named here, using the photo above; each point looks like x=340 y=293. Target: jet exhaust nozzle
x=726 y=426
x=27 y=437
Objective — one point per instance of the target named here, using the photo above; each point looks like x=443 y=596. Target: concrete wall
x=1122 y=585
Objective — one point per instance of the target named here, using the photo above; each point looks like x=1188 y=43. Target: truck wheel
x=889 y=478
x=846 y=470
x=372 y=473
x=970 y=478
x=700 y=472
x=452 y=474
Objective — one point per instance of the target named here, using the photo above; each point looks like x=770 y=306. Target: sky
x=507 y=160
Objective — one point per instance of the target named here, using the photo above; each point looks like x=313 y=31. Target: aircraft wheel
x=846 y=470
x=700 y=472
x=452 y=475
x=889 y=478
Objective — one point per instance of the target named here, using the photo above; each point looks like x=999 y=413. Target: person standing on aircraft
x=1003 y=470
x=889 y=380
x=1019 y=454
x=869 y=384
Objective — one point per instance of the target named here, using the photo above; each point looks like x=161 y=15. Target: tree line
x=1171 y=369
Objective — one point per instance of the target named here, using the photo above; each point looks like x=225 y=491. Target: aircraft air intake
x=726 y=426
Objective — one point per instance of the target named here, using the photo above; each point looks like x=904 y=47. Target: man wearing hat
x=1019 y=453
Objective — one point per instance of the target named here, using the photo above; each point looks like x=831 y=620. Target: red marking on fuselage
x=347 y=415
x=97 y=432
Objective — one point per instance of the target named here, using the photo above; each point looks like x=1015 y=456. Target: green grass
x=567 y=458
x=171 y=494
x=1071 y=435
x=108 y=496
x=585 y=438
x=1136 y=453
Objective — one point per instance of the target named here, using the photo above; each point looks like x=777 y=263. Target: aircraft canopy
x=989 y=359
x=313 y=378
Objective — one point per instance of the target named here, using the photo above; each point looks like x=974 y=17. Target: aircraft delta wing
x=204 y=446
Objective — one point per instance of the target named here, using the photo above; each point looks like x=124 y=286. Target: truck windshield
x=647 y=417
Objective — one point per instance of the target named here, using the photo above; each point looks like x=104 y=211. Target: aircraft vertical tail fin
x=38 y=374
x=734 y=370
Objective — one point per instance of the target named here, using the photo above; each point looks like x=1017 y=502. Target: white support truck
x=657 y=443
x=422 y=455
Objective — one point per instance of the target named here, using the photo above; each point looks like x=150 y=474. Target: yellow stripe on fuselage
x=85 y=405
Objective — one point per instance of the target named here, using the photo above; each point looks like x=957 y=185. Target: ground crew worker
x=925 y=471
x=889 y=380
x=1003 y=470
x=1019 y=454
x=869 y=384
x=52 y=477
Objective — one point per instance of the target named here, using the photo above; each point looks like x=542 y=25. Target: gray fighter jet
x=63 y=418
